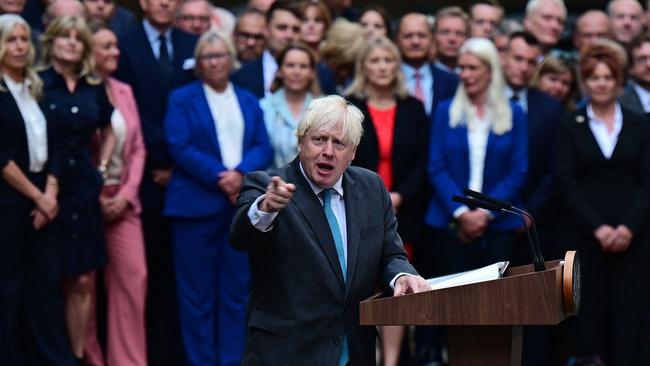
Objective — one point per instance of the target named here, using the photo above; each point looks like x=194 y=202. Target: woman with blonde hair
x=479 y=141
x=125 y=274
x=30 y=294
x=339 y=50
x=394 y=145
x=77 y=107
x=558 y=78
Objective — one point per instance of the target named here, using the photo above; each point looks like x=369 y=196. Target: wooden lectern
x=485 y=319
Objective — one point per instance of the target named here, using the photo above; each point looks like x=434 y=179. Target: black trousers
x=164 y=343
x=32 y=325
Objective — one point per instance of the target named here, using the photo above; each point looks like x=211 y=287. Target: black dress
x=76 y=117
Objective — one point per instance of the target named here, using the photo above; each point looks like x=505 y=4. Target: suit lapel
x=311 y=208
x=200 y=102
x=352 y=198
x=586 y=135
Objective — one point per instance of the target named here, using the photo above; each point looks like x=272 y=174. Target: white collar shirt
x=606 y=140
x=228 y=122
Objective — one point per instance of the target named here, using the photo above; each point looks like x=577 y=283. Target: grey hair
x=332 y=113
x=210 y=37
x=496 y=104
x=532 y=5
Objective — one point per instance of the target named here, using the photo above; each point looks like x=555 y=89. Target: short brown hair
x=636 y=43
x=454 y=12
x=603 y=51
x=314 y=87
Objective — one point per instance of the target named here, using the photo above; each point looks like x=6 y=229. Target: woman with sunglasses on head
x=77 y=107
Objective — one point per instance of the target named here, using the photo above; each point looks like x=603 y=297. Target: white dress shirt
x=606 y=140
x=263 y=221
x=35 y=123
x=644 y=96
x=426 y=80
x=478 y=132
x=154 y=40
x=228 y=122
x=269 y=68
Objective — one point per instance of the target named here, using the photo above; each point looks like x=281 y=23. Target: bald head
x=592 y=25
x=59 y=8
x=414 y=39
x=627 y=19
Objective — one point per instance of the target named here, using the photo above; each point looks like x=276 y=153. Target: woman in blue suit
x=478 y=141
x=216 y=134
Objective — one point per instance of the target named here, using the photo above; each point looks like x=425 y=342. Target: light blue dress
x=281 y=126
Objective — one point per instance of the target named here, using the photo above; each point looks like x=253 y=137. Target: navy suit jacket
x=544 y=116
x=139 y=68
x=444 y=87
x=192 y=139
x=506 y=162
x=251 y=77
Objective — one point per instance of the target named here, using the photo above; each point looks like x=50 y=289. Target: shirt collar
x=644 y=96
x=338 y=186
x=618 y=115
x=409 y=71
x=152 y=33
x=268 y=59
x=15 y=87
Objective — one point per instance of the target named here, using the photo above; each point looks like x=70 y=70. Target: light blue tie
x=344 y=358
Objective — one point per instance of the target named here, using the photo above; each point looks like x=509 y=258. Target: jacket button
x=71 y=162
x=336 y=341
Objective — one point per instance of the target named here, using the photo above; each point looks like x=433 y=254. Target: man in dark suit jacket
x=544 y=116
x=282 y=28
x=414 y=40
x=153 y=66
x=637 y=94
x=308 y=275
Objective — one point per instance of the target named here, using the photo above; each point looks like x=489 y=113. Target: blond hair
x=496 y=104
x=359 y=85
x=342 y=43
x=332 y=113
x=8 y=23
x=61 y=26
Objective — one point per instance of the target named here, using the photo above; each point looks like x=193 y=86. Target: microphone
x=490 y=203
x=474 y=203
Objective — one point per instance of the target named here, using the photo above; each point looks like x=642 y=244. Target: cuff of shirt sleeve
x=392 y=282
x=262 y=221
x=459 y=211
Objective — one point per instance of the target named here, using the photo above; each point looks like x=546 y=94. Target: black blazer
x=544 y=114
x=13 y=146
x=300 y=307
x=601 y=191
x=409 y=159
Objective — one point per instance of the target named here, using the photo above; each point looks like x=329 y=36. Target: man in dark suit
x=637 y=94
x=155 y=59
x=282 y=28
x=425 y=81
x=544 y=116
x=321 y=236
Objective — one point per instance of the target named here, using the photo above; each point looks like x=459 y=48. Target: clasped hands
x=46 y=209
x=472 y=225
x=613 y=240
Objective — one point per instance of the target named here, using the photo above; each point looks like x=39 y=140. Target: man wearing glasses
x=249 y=35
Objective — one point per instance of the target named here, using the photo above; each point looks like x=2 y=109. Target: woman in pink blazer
x=125 y=275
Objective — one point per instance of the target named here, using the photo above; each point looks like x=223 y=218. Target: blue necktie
x=344 y=358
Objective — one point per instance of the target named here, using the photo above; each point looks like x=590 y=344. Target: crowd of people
x=124 y=144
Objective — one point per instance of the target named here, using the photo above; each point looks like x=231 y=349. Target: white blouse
x=229 y=123
x=606 y=141
x=35 y=123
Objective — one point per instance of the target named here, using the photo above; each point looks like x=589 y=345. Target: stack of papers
x=487 y=273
